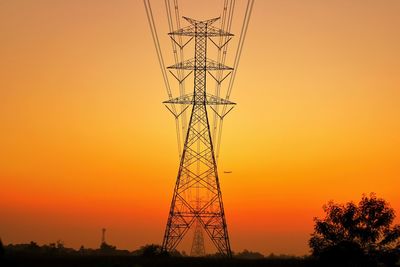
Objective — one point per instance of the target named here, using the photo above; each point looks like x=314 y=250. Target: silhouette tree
x=60 y=245
x=246 y=254
x=106 y=248
x=82 y=250
x=149 y=250
x=351 y=231
x=2 y=250
x=33 y=247
x=153 y=250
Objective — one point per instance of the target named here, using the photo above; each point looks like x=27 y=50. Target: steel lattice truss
x=197 y=173
x=198 y=249
x=190 y=64
x=190 y=100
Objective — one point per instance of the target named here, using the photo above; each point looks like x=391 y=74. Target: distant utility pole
x=103 y=236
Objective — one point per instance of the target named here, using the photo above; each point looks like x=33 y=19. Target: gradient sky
x=85 y=142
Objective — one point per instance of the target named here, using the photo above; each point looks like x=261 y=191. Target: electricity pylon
x=198 y=249
x=198 y=169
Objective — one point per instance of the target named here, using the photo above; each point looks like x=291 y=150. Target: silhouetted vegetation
x=56 y=254
x=107 y=249
x=151 y=250
x=246 y=254
x=1 y=249
x=357 y=233
x=350 y=235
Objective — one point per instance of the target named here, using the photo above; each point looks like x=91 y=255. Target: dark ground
x=138 y=261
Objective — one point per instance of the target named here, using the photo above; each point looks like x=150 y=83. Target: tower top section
x=192 y=29
x=209 y=22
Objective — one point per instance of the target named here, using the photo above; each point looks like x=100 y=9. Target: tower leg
x=198 y=169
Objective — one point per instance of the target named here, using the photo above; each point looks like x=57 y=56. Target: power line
x=174 y=49
x=198 y=170
x=221 y=57
x=198 y=166
x=153 y=29
x=243 y=33
x=156 y=41
x=249 y=9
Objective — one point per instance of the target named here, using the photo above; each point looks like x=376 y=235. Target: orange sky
x=85 y=142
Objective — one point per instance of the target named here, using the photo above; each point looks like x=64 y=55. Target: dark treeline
x=56 y=254
x=350 y=235
x=56 y=249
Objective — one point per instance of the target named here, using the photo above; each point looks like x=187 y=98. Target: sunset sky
x=86 y=143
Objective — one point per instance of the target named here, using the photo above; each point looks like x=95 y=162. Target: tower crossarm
x=190 y=31
x=209 y=22
x=189 y=100
x=190 y=64
x=198 y=175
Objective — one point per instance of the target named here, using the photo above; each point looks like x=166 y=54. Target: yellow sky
x=85 y=142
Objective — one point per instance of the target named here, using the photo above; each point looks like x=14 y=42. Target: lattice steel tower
x=198 y=248
x=198 y=173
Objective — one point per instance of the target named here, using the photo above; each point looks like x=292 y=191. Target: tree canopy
x=365 y=228
x=1 y=248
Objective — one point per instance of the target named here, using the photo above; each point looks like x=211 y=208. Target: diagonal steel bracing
x=197 y=174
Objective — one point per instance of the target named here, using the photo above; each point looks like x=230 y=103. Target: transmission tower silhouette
x=198 y=168
x=197 y=199
x=198 y=248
